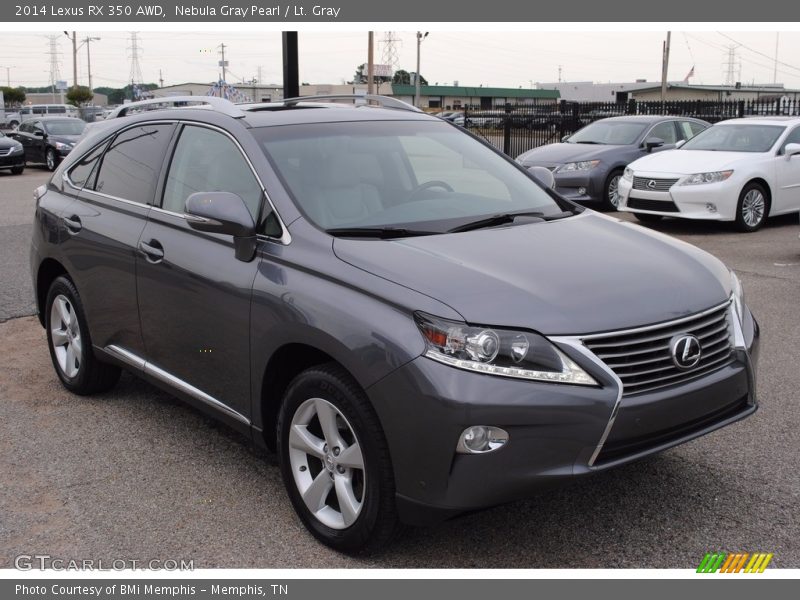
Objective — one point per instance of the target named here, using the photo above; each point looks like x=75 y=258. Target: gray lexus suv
x=414 y=323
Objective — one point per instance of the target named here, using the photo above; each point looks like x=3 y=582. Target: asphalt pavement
x=135 y=474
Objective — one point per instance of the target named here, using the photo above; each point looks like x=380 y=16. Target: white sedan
x=741 y=170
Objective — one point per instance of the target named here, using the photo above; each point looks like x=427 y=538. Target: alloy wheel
x=613 y=191
x=753 y=207
x=51 y=160
x=65 y=334
x=327 y=463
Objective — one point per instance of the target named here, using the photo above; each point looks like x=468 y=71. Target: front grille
x=5 y=151
x=642 y=358
x=658 y=185
x=657 y=205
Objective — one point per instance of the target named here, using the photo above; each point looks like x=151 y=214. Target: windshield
x=412 y=174
x=608 y=132
x=739 y=137
x=65 y=127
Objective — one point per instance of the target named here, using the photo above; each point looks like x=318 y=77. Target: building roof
x=474 y=92
x=778 y=90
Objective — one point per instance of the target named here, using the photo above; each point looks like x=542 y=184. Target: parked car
x=588 y=164
x=416 y=324
x=35 y=111
x=12 y=155
x=741 y=170
x=48 y=140
x=10 y=120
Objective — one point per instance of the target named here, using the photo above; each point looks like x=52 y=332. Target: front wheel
x=753 y=208
x=611 y=191
x=335 y=462
x=50 y=159
x=18 y=170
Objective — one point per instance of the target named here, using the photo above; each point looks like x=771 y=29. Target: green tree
x=403 y=77
x=13 y=96
x=79 y=95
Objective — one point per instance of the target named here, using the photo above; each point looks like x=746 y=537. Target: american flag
x=689 y=74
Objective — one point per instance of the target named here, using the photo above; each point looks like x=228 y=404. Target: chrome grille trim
x=5 y=151
x=661 y=185
x=641 y=357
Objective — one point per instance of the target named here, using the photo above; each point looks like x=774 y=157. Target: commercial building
x=684 y=91
x=589 y=91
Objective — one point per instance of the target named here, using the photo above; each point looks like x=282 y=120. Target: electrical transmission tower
x=389 y=52
x=730 y=66
x=55 y=73
x=135 y=77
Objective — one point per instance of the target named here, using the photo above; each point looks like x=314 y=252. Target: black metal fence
x=516 y=128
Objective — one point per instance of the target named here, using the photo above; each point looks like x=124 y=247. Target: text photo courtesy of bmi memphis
x=352 y=299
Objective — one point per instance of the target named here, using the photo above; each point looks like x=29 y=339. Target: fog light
x=581 y=191
x=711 y=207
x=481 y=438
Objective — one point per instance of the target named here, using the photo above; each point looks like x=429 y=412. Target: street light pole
x=74 y=39
x=88 y=41
x=420 y=37
x=8 y=74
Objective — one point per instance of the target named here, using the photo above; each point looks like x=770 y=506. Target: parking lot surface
x=135 y=474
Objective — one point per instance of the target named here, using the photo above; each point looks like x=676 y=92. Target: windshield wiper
x=587 y=142
x=503 y=218
x=383 y=233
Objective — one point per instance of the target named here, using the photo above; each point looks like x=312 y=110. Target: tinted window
x=84 y=170
x=208 y=161
x=131 y=166
x=608 y=132
x=736 y=137
x=664 y=131
x=65 y=127
x=688 y=129
x=696 y=128
x=792 y=138
x=53 y=110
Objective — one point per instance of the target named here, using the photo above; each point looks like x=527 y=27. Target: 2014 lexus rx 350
x=414 y=323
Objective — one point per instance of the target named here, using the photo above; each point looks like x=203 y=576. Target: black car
x=413 y=322
x=12 y=155
x=48 y=140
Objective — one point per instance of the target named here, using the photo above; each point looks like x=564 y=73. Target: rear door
x=104 y=225
x=194 y=295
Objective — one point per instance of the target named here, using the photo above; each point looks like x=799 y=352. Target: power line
x=134 y=49
x=389 y=54
x=55 y=74
x=758 y=52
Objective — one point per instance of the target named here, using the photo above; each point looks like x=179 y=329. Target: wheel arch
x=763 y=183
x=48 y=271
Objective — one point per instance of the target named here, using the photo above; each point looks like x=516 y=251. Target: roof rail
x=221 y=105
x=382 y=101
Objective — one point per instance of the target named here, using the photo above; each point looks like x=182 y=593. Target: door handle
x=153 y=251
x=73 y=224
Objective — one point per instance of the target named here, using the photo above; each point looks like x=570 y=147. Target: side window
x=84 y=172
x=688 y=129
x=132 y=163
x=665 y=131
x=696 y=128
x=208 y=161
x=792 y=138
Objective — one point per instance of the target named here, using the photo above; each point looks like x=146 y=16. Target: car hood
x=579 y=275
x=6 y=142
x=64 y=139
x=556 y=154
x=686 y=162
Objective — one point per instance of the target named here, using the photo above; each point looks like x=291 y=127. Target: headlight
x=738 y=296
x=712 y=177
x=503 y=352
x=584 y=165
x=62 y=146
x=627 y=174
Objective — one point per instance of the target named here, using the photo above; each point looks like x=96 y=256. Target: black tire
x=611 y=181
x=752 y=209
x=377 y=522
x=18 y=170
x=91 y=376
x=648 y=218
x=50 y=159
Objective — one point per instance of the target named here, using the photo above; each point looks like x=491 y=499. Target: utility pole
x=160 y=79
x=775 y=71
x=223 y=63
x=665 y=67
x=370 y=63
x=420 y=37
x=88 y=41
x=8 y=74
x=559 y=73
x=74 y=40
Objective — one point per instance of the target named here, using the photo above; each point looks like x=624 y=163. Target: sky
x=491 y=58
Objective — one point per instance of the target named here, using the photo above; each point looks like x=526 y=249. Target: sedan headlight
x=62 y=146
x=583 y=165
x=737 y=291
x=627 y=174
x=711 y=177
x=503 y=352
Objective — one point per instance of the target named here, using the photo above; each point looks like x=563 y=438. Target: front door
x=787 y=173
x=194 y=295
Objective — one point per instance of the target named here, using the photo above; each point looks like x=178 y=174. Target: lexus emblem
x=651 y=184
x=686 y=351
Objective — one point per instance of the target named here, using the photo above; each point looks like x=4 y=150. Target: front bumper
x=554 y=430
x=580 y=186
x=708 y=202
x=12 y=160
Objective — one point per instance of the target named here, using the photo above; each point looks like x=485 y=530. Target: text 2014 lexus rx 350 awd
x=416 y=325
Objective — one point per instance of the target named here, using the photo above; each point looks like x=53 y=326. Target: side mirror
x=679 y=144
x=791 y=150
x=226 y=214
x=565 y=138
x=38 y=133
x=653 y=142
x=544 y=176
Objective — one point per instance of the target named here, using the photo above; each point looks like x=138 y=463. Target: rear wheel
x=753 y=207
x=647 y=218
x=70 y=345
x=335 y=462
x=611 y=190
x=50 y=159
